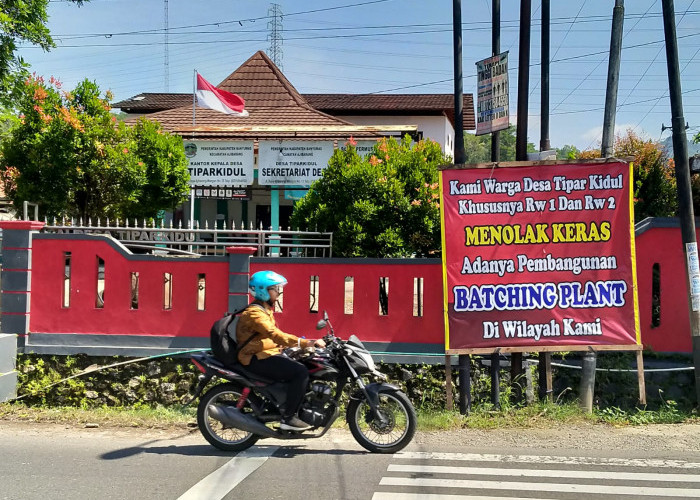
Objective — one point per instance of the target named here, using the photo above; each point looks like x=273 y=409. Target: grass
x=539 y=415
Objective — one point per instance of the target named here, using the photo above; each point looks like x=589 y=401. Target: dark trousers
x=283 y=369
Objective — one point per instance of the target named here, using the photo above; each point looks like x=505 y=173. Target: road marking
x=548 y=473
x=536 y=459
x=219 y=483
x=382 y=495
x=629 y=491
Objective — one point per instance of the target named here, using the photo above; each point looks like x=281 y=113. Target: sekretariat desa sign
x=539 y=255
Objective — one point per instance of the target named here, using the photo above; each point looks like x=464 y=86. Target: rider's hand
x=319 y=343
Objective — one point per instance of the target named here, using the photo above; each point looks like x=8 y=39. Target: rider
x=262 y=355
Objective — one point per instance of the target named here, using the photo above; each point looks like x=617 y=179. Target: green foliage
x=567 y=152
x=478 y=147
x=21 y=21
x=142 y=384
x=654 y=188
x=68 y=154
x=383 y=205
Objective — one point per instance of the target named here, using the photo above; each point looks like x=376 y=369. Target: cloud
x=594 y=136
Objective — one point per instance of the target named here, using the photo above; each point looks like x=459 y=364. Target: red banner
x=539 y=256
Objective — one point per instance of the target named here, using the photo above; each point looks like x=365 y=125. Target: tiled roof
x=270 y=101
x=151 y=102
x=406 y=104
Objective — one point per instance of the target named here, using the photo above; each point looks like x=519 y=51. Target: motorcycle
x=234 y=415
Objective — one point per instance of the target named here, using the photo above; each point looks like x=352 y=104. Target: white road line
x=548 y=473
x=536 y=459
x=382 y=495
x=629 y=491
x=220 y=482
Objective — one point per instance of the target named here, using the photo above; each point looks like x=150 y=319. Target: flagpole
x=194 y=121
x=194 y=100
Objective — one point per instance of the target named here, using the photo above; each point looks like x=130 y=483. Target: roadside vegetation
x=150 y=394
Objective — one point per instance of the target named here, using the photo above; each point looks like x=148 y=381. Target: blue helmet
x=261 y=281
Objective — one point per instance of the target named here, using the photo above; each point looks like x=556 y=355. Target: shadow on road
x=205 y=450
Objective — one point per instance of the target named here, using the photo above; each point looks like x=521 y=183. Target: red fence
x=349 y=290
x=97 y=303
x=93 y=307
x=659 y=243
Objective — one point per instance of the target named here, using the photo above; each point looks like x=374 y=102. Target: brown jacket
x=268 y=339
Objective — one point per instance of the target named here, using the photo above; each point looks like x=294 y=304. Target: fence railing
x=151 y=238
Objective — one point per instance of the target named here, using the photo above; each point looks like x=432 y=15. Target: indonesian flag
x=211 y=97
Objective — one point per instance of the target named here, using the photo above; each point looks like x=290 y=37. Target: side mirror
x=321 y=324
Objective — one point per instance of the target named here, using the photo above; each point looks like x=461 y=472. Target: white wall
x=437 y=128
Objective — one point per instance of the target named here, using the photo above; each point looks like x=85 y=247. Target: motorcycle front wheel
x=389 y=434
x=217 y=433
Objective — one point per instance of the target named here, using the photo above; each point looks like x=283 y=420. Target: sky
x=385 y=46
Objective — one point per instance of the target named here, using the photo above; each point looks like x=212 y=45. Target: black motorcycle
x=234 y=415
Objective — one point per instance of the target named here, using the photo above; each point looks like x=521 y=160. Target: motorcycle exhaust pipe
x=231 y=416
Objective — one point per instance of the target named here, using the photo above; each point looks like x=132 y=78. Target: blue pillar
x=274 y=218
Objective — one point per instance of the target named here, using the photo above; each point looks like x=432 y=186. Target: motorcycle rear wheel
x=218 y=434
x=383 y=437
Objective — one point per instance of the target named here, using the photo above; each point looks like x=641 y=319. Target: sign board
x=297 y=163
x=220 y=163
x=222 y=192
x=362 y=147
x=492 y=94
x=539 y=256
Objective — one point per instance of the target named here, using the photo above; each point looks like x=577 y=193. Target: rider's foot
x=294 y=424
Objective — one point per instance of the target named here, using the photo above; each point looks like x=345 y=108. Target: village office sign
x=280 y=163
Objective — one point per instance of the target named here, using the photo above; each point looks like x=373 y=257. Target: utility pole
x=606 y=149
x=544 y=79
x=544 y=367
x=523 y=80
x=685 y=203
x=460 y=154
x=496 y=157
x=495 y=50
x=460 y=157
x=516 y=358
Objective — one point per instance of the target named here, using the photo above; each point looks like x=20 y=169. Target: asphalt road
x=44 y=461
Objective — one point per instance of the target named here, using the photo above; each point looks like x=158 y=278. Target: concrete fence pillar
x=15 y=298
x=238 y=276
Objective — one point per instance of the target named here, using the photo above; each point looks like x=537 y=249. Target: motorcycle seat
x=238 y=368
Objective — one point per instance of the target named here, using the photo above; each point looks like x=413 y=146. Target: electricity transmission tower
x=166 y=61
x=274 y=25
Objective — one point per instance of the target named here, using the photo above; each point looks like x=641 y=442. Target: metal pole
x=523 y=80
x=496 y=380
x=587 y=382
x=516 y=376
x=685 y=203
x=544 y=79
x=460 y=154
x=606 y=148
x=465 y=396
x=495 y=50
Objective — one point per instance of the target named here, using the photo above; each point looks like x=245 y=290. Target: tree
x=478 y=147
x=21 y=21
x=68 y=154
x=568 y=152
x=654 y=187
x=383 y=205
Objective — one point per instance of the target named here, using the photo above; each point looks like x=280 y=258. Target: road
x=49 y=461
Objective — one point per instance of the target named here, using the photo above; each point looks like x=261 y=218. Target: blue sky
x=384 y=46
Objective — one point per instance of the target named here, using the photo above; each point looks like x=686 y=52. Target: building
x=232 y=157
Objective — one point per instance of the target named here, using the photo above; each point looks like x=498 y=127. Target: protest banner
x=539 y=257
